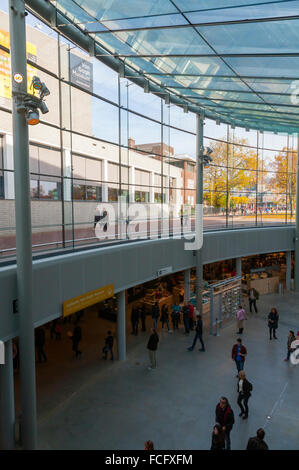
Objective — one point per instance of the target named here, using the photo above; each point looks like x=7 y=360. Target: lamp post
x=296 y=284
x=203 y=159
x=25 y=112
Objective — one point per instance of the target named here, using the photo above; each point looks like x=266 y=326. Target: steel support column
x=239 y=266
x=187 y=285
x=7 y=405
x=296 y=283
x=121 y=325
x=199 y=201
x=23 y=228
x=288 y=270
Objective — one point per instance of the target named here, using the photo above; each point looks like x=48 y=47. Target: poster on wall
x=81 y=72
x=5 y=76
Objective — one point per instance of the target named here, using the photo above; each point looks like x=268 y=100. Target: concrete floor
x=121 y=405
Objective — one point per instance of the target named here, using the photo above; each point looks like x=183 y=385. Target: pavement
x=94 y=404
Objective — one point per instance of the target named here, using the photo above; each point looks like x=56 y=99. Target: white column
x=166 y=189
x=288 y=270
x=105 y=183
x=152 y=189
x=67 y=172
x=8 y=164
x=239 y=266
x=187 y=285
x=7 y=406
x=132 y=184
x=121 y=326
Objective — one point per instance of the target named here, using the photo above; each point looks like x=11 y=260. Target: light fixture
x=218 y=122
x=247 y=129
x=32 y=117
x=186 y=108
x=233 y=126
x=167 y=99
x=146 y=88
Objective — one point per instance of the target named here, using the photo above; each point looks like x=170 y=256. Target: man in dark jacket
x=155 y=313
x=108 y=346
x=152 y=346
x=40 y=339
x=186 y=319
x=198 y=334
x=141 y=315
x=225 y=417
x=239 y=353
x=257 y=443
x=134 y=321
x=253 y=296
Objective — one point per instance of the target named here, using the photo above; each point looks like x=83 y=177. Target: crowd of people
x=224 y=415
x=186 y=318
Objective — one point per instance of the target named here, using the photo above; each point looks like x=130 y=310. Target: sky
x=105 y=115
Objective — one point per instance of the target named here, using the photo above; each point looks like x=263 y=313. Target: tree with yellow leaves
x=232 y=174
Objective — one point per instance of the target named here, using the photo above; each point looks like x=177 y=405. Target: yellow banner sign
x=5 y=76
x=88 y=299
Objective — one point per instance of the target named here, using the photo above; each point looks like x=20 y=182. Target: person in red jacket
x=239 y=353
x=191 y=315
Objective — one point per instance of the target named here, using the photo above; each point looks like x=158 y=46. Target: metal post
x=121 y=325
x=239 y=266
x=7 y=405
x=288 y=270
x=199 y=201
x=23 y=228
x=296 y=283
x=187 y=285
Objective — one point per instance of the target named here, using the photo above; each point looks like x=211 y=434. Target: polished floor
x=90 y=404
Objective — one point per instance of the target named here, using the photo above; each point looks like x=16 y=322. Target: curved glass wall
x=107 y=150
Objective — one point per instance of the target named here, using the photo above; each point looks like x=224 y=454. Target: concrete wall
x=63 y=277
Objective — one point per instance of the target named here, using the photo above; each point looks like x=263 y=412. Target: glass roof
x=235 y=60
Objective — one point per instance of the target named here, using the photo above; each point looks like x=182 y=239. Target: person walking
x=239 y=353
x=273 y=318
x=186 y=318
x=198 y=334
x=291 y=338
x=164 y=317
x=218 y=438
x=225 y=417
x=134 y=321
x=152 y=347
x=40 y=339
x=58 y=330
x=76 y=338
x=142 y=315
x=257 y=442
x=241 y=315
x=108 y=346
x=253 y=296
x=149 y=445
x=244 y=391
x=175 y=316
x=191 y=316
x=155 y=314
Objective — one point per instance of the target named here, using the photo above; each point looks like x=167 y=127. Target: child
x=108 y=346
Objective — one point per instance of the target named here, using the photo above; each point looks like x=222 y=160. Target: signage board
x=86 y=300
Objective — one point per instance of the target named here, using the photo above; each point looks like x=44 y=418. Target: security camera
x=43 y=107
